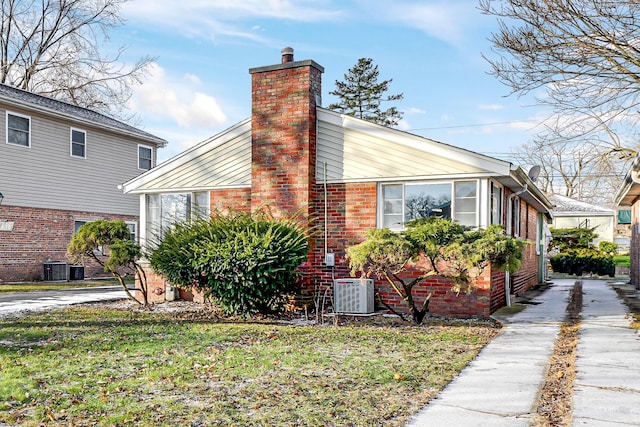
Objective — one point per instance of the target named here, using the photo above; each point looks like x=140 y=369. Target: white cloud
x=415 y=110
x=443 y=20
x=404 y=125
x=160 y=97
x=195 y=80
x=212 y=19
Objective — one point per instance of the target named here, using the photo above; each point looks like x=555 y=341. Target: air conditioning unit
x=55 y=271
x=353 y=296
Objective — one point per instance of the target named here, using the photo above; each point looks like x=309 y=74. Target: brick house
x=348 y=175
x=61 y=167
x=628 y=196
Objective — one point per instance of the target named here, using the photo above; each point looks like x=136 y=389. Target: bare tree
x=573 y=167
x=52 y=47
x=581 y=58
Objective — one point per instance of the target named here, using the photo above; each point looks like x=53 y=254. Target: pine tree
x=361 y=95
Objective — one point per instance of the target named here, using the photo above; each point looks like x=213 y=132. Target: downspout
x=329 y=259
x=507 y=275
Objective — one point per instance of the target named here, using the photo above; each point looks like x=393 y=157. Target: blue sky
x=200 y=83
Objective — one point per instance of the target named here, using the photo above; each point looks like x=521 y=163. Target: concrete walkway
x=16 y=302
x=501 y=385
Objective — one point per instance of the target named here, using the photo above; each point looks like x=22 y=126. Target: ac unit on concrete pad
x=354 y=296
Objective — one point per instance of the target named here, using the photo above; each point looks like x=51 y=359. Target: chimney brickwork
x=283 y=118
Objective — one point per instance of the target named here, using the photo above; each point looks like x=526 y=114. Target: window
x=18 y=129
x=145 y=157
x=200 y=206
x=496 y=204
x=515 y=217
x=466 y=203
x=77 y=225
x=164 y=210
x=404 y=202
x=624 y=216
x=78 y=143
x=133 y=229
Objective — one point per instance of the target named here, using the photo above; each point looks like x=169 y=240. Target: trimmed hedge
x=581 y=261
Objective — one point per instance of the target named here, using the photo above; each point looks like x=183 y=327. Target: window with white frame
x=78 y=143
x=201 y=206
x=496 y=204
x=515 y=217
x=165 y=210
x=145 y=157
x=402 y=202
x=133 y=230
x=18 y=129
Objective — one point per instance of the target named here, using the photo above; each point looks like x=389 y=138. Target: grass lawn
x=50 y=286
x=622 y=260
x=89 y=365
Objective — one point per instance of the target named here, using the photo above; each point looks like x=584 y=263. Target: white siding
x=355 y=150
x=47 y=176
x=223 y=165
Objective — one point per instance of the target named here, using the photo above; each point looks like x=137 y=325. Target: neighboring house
x=628 y=196
x=61 y=166
x=349 y=176
x=571 y=213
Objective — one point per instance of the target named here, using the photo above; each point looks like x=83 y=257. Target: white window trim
x=136 y=231
x=138 y=149
x=380 y=205
x=516 y=216
x=71 y=142
x=24 y=116
x=501 y=202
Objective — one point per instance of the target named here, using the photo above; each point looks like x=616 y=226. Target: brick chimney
x=283 y=135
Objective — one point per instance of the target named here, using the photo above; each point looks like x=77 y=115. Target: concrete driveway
x=16 y=302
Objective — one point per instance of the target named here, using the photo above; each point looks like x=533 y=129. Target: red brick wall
x=39 y=235
x=230 y=198
x=498 y=297
x=527 y=276
x=351 y=211
x=283 y=137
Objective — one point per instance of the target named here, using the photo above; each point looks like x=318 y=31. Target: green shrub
x=581 y=261
x=608 y=247
x=245 y=263
x=572 y=238
x=454 y=252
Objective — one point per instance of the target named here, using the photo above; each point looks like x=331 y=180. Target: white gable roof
x=352 y=149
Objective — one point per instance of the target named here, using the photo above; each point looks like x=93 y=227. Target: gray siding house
x=61 y=166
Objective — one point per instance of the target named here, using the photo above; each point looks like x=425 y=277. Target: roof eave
x=30 y=106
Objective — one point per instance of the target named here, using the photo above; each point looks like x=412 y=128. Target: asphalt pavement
x=501 y=385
